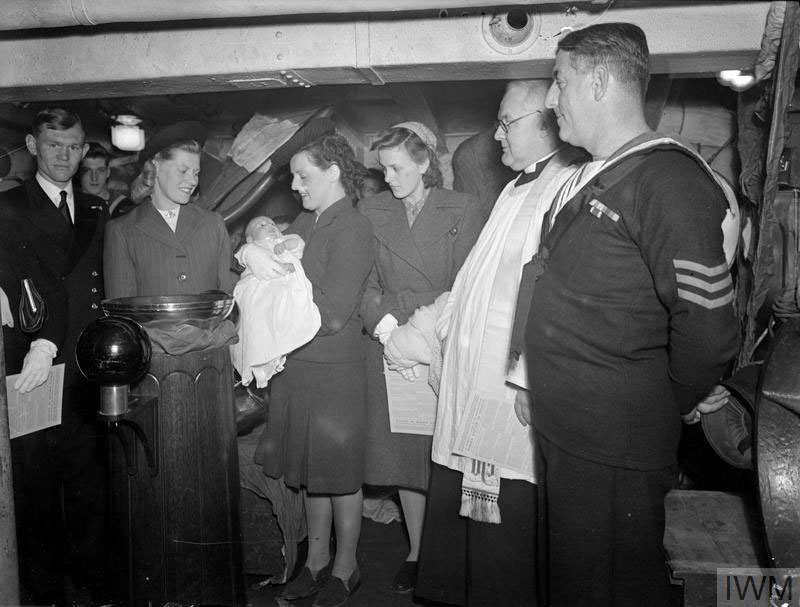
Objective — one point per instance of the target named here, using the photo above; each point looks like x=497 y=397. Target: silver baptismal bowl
x=170 y=307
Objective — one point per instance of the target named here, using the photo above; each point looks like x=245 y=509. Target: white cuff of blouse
x=385 y=327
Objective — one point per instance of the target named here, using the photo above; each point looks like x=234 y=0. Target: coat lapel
x=390 y=223
x=88 y=211
x=150 y=222
x=46 y=219
x=188 y=222
x=330 y=214
x=49 y=234
x=440 y=216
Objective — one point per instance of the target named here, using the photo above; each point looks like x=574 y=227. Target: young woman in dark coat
x=315 y=435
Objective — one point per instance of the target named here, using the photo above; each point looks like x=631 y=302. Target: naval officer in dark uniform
x=59 y=478
x=631 y=324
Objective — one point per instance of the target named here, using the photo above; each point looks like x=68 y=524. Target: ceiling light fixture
x=126 y=134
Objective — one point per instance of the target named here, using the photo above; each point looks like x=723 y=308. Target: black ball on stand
x=113 y=351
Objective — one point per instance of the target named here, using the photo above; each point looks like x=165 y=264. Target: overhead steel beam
x=689 y=39
x=30 y=14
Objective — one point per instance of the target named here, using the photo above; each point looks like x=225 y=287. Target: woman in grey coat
x=422 y=236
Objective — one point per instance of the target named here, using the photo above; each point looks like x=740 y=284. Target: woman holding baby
x=315 y=436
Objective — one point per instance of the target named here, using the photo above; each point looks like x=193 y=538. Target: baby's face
x=260 y=228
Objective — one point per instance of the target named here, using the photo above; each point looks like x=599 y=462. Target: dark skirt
x=314 y=436
x=471 y=564
x=402 y=460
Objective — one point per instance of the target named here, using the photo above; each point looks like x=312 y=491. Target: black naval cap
x=729 y=430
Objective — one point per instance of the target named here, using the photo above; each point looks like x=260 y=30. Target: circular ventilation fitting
x=513 y=32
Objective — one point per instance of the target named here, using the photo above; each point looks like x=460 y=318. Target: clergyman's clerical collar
x=532 y=171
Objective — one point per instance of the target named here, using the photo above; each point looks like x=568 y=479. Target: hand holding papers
x=412 y=403
x=38 y=409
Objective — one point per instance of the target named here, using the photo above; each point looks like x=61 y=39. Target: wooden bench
x=706 y=531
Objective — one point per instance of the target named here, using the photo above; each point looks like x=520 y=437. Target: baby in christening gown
x=264 y=232
x=276 y=316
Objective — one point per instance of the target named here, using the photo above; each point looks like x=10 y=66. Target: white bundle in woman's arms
x=276 y=315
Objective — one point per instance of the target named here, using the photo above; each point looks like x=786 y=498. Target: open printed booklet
x=38 y=409
x=412 y=404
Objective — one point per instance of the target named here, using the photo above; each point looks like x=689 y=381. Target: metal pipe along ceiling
x=28 y=14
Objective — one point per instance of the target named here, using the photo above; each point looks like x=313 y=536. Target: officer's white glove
x=36 y=366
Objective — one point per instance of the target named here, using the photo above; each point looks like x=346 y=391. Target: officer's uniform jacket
x=69 y=257
x=632 y=320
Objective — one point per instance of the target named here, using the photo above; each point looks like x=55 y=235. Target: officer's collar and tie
x=533 y=171
x=62 y=197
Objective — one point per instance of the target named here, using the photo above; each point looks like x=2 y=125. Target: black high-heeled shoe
x=335 y=593
x=406 y=578
x=305 y=584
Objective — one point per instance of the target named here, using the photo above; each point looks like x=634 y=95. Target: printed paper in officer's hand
x=490 y=432
x=412 y=404
x=38 y=409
